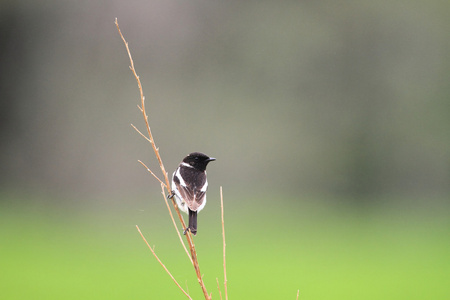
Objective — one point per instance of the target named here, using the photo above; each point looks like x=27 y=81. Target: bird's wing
x=192 y=189
x=193 y=197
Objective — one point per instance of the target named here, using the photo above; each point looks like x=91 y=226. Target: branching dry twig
x=165 y=184
x=154 y=175
x=160 y=262
x=150 y=136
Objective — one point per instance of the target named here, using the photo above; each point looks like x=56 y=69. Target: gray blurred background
x=311 y=97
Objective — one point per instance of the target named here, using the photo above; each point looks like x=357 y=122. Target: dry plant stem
x=298 y=293
x=142 y=109
x=150 y=138
x=196 y=266
x=168 y=208
x=135 y=128
x=160 y=262
x=218 y=287
x=173 y=220
x=187 y=287
x=154 y=175
x=224 y=245
x=163 y=170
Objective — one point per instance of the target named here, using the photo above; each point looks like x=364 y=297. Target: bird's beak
x=210 y=159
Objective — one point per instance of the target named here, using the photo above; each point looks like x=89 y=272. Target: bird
x=189 y=185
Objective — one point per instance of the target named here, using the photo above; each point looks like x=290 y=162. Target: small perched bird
x=189 y=186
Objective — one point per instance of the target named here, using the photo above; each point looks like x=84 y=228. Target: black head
x=198 y=160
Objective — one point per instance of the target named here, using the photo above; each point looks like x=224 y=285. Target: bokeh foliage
x=348 y=98
x=325 y=250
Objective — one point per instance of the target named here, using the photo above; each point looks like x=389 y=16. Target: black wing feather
x=192 y=193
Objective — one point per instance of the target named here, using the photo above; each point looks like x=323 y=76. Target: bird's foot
x=190 y=230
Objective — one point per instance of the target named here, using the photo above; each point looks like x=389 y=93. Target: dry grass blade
x=160 y=262
x=224 y=246
x=174 y=224
x=218 y=287
x=298 y=293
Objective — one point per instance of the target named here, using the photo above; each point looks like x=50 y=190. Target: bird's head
x=198 y=160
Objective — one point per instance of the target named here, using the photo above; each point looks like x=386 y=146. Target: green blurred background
x=330 y=122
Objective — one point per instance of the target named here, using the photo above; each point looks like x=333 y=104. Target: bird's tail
x=193 y=221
